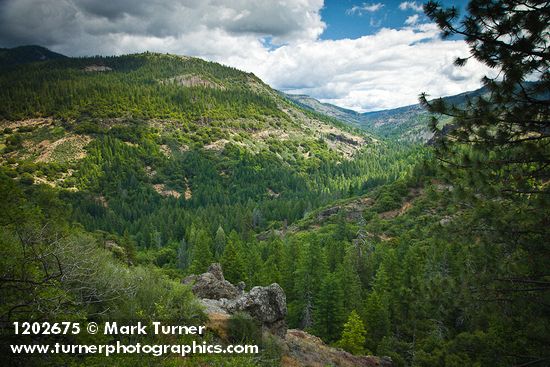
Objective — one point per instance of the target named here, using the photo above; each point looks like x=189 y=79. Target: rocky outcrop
x=192 y=81
x=95 y=68
x=267 y=305
x=304 y=349
x=221 y=298
x=212 y=285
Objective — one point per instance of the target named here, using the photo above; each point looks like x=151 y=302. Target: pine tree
x=309 y=275
x=500 y=138
x=202 y=252
x=377 y=318
x=496 y=154
x=232 y=260
x=354 y=335
x=350 y=283
x=253 y=265
x=272 y=267
x=219 y=242
x=184 y=258
x=257 y=218
x=329 y=309
x=341 y=233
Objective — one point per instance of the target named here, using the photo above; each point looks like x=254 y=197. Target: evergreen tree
x=184 y=258
x=219 y=242
x=257 y=218
x=377 y=318
x=253 y=262
x=329 y=309
x=232 y=260
x=496 y=154
x=350 y=283
x=500 y=138
x=202 y=252
x=271 y=272
x=309 y=276
x=354 y=335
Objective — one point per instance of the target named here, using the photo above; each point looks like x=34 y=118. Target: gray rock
x=446 y=220
x=216 y=270
x=212 y=306
x=241 y=286
x=212 y=284
x=265 y=304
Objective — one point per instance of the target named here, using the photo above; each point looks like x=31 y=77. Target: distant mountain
x=328 y=109
x=26 y=54
x=408 y=123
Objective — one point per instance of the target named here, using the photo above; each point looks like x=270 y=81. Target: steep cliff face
x=267 y=305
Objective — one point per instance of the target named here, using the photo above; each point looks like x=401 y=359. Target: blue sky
x=354 y=19
x=364 y=56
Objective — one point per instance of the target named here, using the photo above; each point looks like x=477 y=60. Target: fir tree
x=496 y=154
x=354 y=335
x=202 y=252
x=184 y=258
x=329 y=309
x=309 y=275
x=219 y=242
x=232 y=260
x=377 y=318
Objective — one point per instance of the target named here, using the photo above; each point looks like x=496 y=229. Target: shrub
x=242 y=328
x=27 y=179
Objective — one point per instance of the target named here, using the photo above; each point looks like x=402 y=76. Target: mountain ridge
x=406 y=123
x=10 y=57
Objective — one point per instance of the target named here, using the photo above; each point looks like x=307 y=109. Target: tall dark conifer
x=496 y=154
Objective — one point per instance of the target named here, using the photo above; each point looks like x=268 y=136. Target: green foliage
x=26 y=178
x=244 y=329
x=496 y=154
x=443 y=264
x=328 y=313
x=353 y=335
x=220 y=241
x=202 y=251
x=138 y=85
x=377 y=319
x=232 y=262
x=57 y=272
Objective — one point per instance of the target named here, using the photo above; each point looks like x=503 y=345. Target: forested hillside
x=167 y=162
x=120 y=176
x=408 y=124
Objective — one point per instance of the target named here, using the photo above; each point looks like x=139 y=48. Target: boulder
x=218 y=296
x=212 y=284
x=265 y=304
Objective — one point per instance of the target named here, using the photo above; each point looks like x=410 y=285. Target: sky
x=364 y=56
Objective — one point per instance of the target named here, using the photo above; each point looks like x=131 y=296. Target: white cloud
x=384 y=70
x=368 y=8
x=412 y=5
x=412 y=20
x=53 y=22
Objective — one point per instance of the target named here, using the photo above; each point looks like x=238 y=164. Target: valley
x=415 y=236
